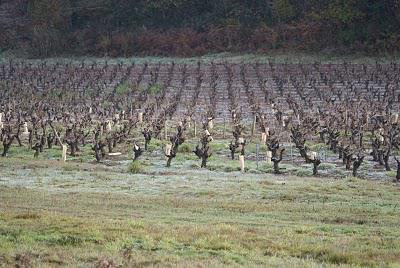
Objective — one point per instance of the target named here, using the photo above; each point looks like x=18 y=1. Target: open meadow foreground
x=206 y=162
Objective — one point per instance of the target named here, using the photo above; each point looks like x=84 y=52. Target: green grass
x=81 y=215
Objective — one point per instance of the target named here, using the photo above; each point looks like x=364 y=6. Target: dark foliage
x=194 y=27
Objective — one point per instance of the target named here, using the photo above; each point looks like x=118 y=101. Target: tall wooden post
x=263 y=137
x=241 y=160
x=140 y=118
x=210 y=124
x=168 y=149
x=269 y=157
x=26 y=132
x=64 y=153
x=253 y=127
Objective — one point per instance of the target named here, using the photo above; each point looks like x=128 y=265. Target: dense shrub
x=135 y=167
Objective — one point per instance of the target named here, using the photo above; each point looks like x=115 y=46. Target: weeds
x=136 y=167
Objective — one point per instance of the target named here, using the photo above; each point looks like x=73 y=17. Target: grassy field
x=84 y=214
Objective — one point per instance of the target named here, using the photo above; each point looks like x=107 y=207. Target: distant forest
x=196 y=27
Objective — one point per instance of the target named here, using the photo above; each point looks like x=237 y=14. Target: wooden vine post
x=242 y=144
x=140 y=118
x=268 y=157
x=253 y=126
x=64 y=153
x=63 y=146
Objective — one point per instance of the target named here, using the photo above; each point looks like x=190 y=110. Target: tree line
x=197 y=27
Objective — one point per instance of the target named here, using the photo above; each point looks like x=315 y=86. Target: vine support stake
x=241 y=160
x=253 y=127
x=64 y=153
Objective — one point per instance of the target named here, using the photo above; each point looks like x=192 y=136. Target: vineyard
x=298 y=113
x=223 y=128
